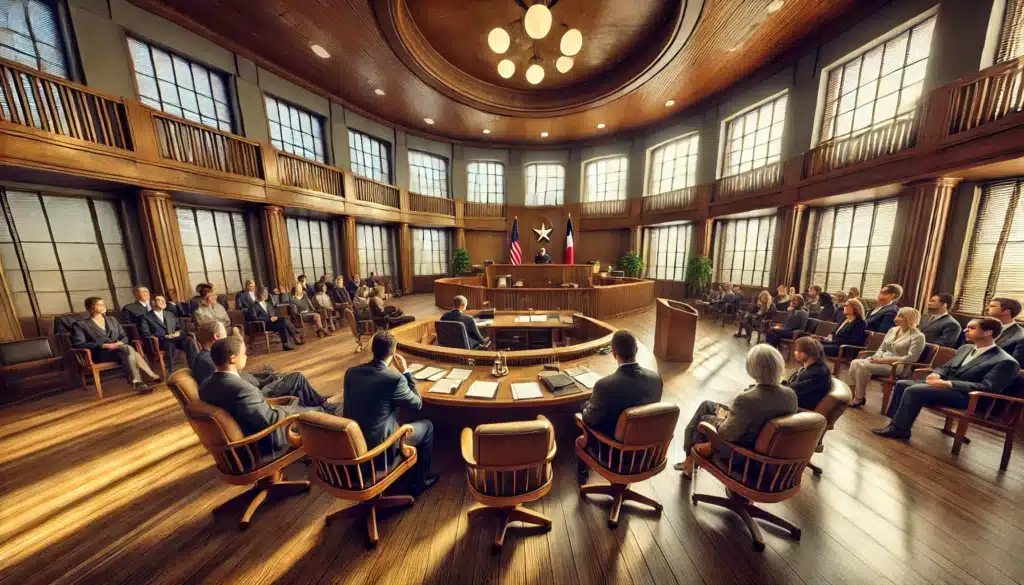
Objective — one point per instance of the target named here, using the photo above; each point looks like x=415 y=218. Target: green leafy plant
x=698 y=274
x=631 y=263
x=461 y=262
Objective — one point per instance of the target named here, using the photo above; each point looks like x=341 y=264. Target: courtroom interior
x=536 y=292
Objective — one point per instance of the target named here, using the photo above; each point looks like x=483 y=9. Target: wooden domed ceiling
x=431 y=57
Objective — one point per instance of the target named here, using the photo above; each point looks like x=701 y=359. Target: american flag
x=515 y=253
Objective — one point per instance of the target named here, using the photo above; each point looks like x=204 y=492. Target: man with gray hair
x=476 y=339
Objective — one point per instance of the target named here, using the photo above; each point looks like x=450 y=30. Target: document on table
x=522 y=318
x=481 y=389
x=445 y=386
x=459 y=374
x=413 y=368
x=588 y=379
x=437 y=376
x=576 y=371
x=526 y=391
x=538 y=318
x=484 y=322
x=426 y=372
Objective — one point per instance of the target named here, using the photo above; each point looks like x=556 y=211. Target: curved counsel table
x=675 y=330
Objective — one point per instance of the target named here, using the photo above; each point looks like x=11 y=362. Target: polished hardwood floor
x=119 y=491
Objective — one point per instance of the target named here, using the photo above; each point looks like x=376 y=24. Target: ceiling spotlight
x=506 y=68
x=498 y=40
x=486 y=131
x=775 y=6
x=535 y=73
x=320 y=51
x=600 y=126
x=429 y=121
x=670 y=103
x=563 y=64
x=572 y=42
x=537 y=21
x=378 y=91
x=543 y=134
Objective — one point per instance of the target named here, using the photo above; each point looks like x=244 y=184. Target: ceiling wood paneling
x=277 y=34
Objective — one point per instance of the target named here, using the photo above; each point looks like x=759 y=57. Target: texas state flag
x=570 y=257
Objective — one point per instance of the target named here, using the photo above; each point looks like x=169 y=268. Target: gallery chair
x=637 y=452
x=360 y=328
x=848 y=353
x=451 y=334
x=932 y=355
x=346 y=469
x=87 y=367
x=28 y=362
x=507 y=465
x=832 y=406
x=238 y=457
x=767 y=474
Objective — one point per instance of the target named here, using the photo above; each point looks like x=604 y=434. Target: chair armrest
x=973 y=397
x=905 y=367
x=82 y=356
x=845 y=349
x=246 y=441
x=399 y=436
x=709 y=431
x=466 y=442
x=865 y=354
x=917 y=375
x=154 y=344
x=283 y=401
x=255 y=327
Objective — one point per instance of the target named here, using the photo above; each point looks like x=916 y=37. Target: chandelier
x=536 y=23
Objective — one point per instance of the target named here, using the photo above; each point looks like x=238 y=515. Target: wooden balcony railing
x=474 y=209
x=38 y=100
x=374 y=192
x=426 y=204
x=673 y=200
x=606 y=208
x=767 y=177
x=991 y=95
x=307 y=174
x=877 y=142
x=194 y=144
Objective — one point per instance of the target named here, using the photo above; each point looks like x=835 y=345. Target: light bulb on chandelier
x=535 y=74
x=563 y=64
x=506 y=68
x=498 y=40
x=571 y=43
x=537 y=21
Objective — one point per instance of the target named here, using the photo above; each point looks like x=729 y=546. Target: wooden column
x=788 y=244
x=460 y=238
x=10 y=327
x=702 y=237
x=636 y=239
x=162 y=239
x=349 y=252
x=927 y=205
x=278 y=250
x=405 y=258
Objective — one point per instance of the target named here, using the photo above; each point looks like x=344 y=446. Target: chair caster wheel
x=796 y=534
x=613 y=524
x=758 y=546
x=693 y=499
x=495 y=549
x=370 y=545
x=243 y=526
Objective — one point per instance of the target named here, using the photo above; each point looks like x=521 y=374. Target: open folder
x=483 y=390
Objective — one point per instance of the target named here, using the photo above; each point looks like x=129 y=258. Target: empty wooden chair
x=346 y=469
x=637 y=452
x=359 y=328
x=28 y=367
x=832 y=406
x=238 y=458
x=767 y=474
x=507 y=465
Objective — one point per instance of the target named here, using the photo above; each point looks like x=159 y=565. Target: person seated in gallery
x=542 y=257
x=163 y=324
x=247 y=296
x=882 y=318
x=175 y=305
x=352 y=286
x=630 y=385
x=106 y=340
x=978 y=366
x=795 y=320
x=209 y=309
x=939 y=326
x=381 y=289
x=476 y=339
x=1011 y=337
x=827 y=310
x=133 y=311
x=812 y=300
x=813 y=381
x=902 y=343
x=339 y=294
x=852 y=331
x=386 y=315
x=263 y=311
x=781 y=298
x=727 y=298
x=840 y=304
x=754 y=319
x=741 y=422
x=195 y=302
x=306 y=287
x=361 y=303
x=325 y=279
x=306 y=310
x=373 y=393
x=322 y=298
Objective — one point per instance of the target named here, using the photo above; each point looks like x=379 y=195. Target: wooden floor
x=119 y=491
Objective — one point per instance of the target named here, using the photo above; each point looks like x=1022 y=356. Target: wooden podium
x=675 y=331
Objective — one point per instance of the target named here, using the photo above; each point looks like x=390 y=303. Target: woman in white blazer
x=902 y=343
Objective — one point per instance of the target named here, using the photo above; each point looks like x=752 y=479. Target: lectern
x=675 y=331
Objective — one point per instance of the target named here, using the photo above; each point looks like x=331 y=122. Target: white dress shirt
x=159 y=315
x=976 y=352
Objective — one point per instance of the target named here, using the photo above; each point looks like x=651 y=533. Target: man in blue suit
x=882 y=318
x=163 y=324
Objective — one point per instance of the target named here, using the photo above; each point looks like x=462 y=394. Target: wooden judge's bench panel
x=542 y=275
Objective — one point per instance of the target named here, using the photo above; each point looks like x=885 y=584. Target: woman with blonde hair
x=782 y=298
x=902 y=343
x=307 y=310
x=852 y=331
x=754 y=319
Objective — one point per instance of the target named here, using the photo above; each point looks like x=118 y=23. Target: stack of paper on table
x=426 y=372
x=481 y=389
x=437 y=376
x=588 y=379
x=538 y=318
x=576 y=371
x=526 y=391
x=485 y=322
x=522 y=318
x=413 y=368
x=459 y=374
x=445 y=386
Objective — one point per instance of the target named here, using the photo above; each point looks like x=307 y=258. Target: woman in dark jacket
x=386 y=316
x=813 y=380
x=307 y=311
x=754 y=319
x=796 y=320
x=852 y=331
x=828 y=307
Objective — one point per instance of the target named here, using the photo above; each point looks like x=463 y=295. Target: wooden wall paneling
x=540 y=275
x=486 y=245
x=275 y=237
x=604 y=245
x=405 y=258
x=702 y=236
x=920 y=245
x=555 y=218
x=162 y=239
x=789 y=243
x=10 y=327
x=350 y=253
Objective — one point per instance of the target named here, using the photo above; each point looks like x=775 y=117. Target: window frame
x=724 y=148
x=320 y=122
x=420 y=174
x=1003 y=53
x=601 y=183
x=64 y=49
x=327 y=254
x=725 y=225
x=243 y=275
x=661 y=270
x=383 y=145
x=390 y=236
x=489 y=195
x=559 y=195
x=690 y=175
x=441 y=255
x=1010 y=217
x=813 y=248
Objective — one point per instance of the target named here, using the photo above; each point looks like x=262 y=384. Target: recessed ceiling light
x=670 y=103
x=775 y=6
x=429 y=120
x=601 y=125
x=486 y=131
x=320 y=52
x=378 y=91
x=543 y=134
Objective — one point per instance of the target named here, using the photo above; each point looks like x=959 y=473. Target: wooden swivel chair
x=767 y=474
x=238 y=458
x=832 y=406
x=360 y=328
x=346 y=469
x=637 y=452
x=507 y=465
x=452 y=334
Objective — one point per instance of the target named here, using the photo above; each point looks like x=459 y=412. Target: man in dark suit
x=980 y=365
x=374 y=392
x=106 y=340
x=542 y=257
x=942 y=329
x=882 y=318
x=476 y=339
x=246 y=297
x=310 y=291
x=175 y=306
x=352 y=286
x=262 y=310
x=630 y=385
x=133 y=312
x=1011 y=336
x=163 y=324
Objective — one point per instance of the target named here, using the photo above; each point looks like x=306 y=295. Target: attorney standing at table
x=542 y=257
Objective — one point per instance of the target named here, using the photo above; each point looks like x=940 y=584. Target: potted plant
x=461 y=263
x=632 y=264
x=698 y=276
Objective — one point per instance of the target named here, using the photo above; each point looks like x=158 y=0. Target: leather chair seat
x=24 y=351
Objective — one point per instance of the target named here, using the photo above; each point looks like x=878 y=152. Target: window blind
x=744 y=250
x=428 y=174
x=545 y=184
x=429 y=251
x=674 y=165
x=486 y=182
x=376 y=247
x=216 y=245
x=666 y=251
x=851 y=246
x=606 y=179
x=311 y=249
x=995 y=258
x=31 y=35
x=1011 y=37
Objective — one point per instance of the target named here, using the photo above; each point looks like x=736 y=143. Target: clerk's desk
x=507 y=334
